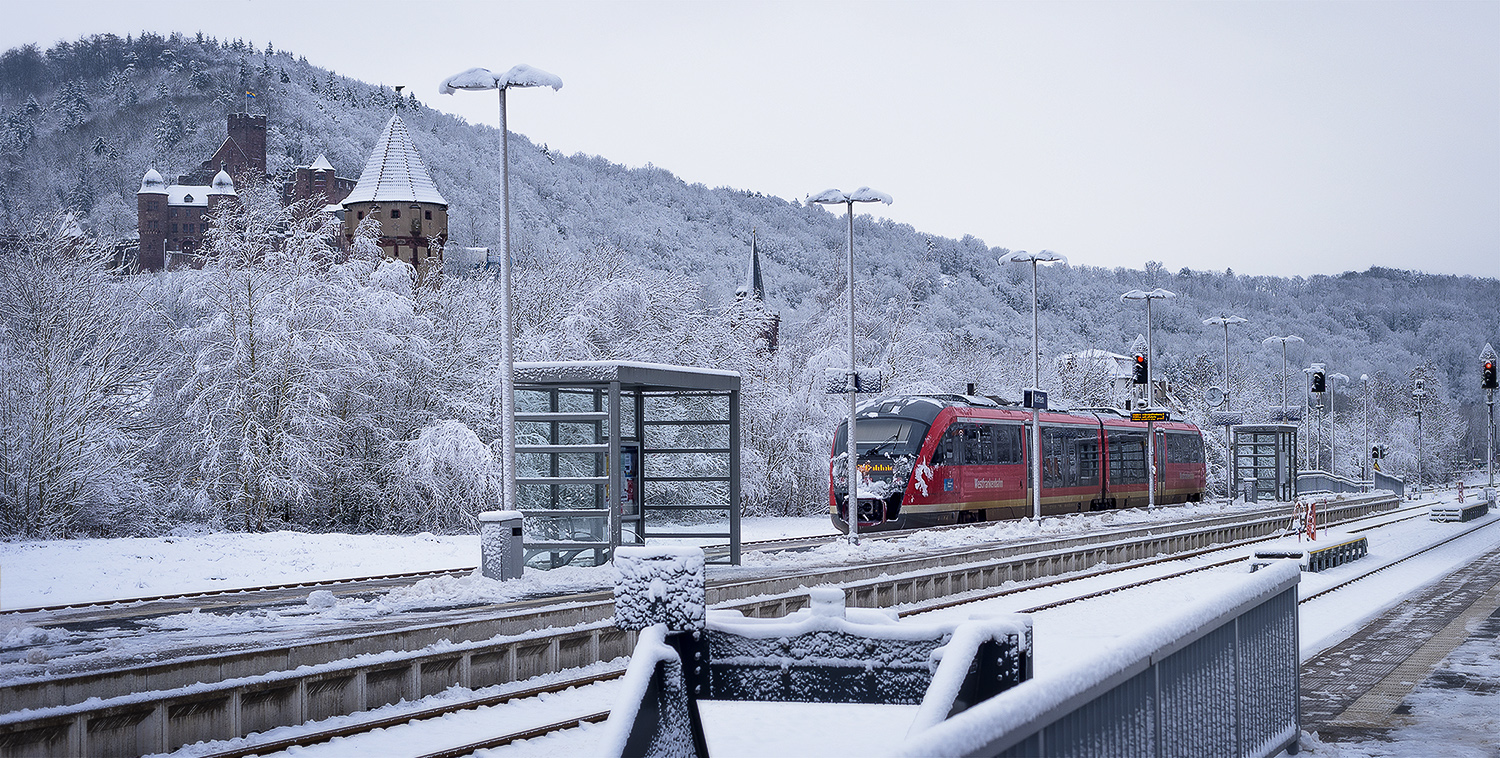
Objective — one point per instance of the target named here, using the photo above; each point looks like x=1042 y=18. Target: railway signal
x=1138 y=373
x=1489 y=375
x=1319 y=382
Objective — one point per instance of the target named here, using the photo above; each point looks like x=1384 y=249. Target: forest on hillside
x=285 y=387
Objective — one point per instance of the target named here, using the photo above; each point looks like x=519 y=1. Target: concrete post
x=501 y=554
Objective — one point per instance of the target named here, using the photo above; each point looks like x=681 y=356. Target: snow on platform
x=747 y=729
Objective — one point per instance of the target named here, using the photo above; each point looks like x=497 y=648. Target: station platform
x=1361 y=690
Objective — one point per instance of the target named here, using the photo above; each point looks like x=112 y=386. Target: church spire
x=754 y=285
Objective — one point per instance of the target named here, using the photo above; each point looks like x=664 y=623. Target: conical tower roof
x=395 y=173
x=754 y=285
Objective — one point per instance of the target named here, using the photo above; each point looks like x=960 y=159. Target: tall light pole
x=1156 y=294
x=851 y=448
x=483 y=79
x=1283 y=341
x=1225 y=321
x=1333 y=460
x=1045 y=256
x=1419 y=394
x=1364 y=468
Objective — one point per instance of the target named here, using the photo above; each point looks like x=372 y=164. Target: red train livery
x=945 y=459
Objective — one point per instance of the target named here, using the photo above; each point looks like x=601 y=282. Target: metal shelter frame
x=1266 y=453
x=612 y=453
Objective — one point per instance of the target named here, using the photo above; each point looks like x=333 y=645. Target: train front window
x=884 y=436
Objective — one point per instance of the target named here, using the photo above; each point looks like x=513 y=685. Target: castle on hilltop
x=394 y=188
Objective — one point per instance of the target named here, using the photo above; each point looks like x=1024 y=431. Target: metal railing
x=1223 y=686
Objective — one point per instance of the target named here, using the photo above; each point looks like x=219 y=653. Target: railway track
x=224 y=694
x=359 y=583
x=924 y=607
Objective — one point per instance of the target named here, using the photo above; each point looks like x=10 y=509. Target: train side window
x=1127 y=458
x=1086 y=454
x=1184 y=448
x=984 y=452
x=1008 y=444
x=946 y=453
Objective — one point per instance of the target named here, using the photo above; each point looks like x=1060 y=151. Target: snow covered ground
x=48 y=573
x=71 y=571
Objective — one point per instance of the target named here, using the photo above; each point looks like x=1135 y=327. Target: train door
x=1160 y=455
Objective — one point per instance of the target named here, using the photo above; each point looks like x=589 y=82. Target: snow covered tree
x=74 y=375
x=442 y=480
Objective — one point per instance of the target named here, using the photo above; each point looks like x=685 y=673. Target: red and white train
x=945 y=459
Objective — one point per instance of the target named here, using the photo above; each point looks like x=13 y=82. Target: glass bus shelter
x=612 y=453
x=1267 y=455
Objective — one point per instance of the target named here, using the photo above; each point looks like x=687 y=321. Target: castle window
x=174 y=213
x=174 y=228
x=187 y=198
x=429 y=215
x=361 y=215
x=151 y=225
x=191 y=228
x=395 y=213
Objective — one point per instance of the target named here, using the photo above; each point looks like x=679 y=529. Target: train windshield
x=883 y=436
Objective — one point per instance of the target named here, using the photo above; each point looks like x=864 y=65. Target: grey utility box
x=500 y=551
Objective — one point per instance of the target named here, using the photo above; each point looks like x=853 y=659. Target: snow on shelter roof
x=395 y=172
x=659 y=375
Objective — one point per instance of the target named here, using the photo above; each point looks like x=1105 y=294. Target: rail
x=198 y=700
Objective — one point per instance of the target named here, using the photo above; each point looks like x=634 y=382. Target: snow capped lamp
x=831 y=197
x=483 y=79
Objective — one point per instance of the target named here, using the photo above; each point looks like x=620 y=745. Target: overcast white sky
x=1268 y=137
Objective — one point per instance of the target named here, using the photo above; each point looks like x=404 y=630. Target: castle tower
x=151 y=216
x=396 y=189
x=249 y=134
x=242 y=154
x=221 y=190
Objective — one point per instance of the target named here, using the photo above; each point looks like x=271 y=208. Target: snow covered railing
x=826 y=653
x=1313 y=558
x=1218 y=678
x=1452 y=512
x=1309 y=482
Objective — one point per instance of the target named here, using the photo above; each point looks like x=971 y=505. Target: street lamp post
x=1045 y=256
x=1225 y=321
x=1283 y=341
x=1156 y=294
x=483 y=79
x=1364 y=470
x=1419 y=394
x=851 y=447
x=1333 y=459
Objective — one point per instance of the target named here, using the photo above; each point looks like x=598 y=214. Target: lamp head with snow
x=1045 y=256
x=1156 y=294
x=861 y=195
x=483 y=79
x=1224 y=320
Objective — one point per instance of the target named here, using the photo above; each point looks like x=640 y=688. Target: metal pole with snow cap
x=1333 y=461
x=851 y=447
x=1226 y=321
x=1156 y=294
x=1284 y=415
x=1045 y=256
x=483 y=79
